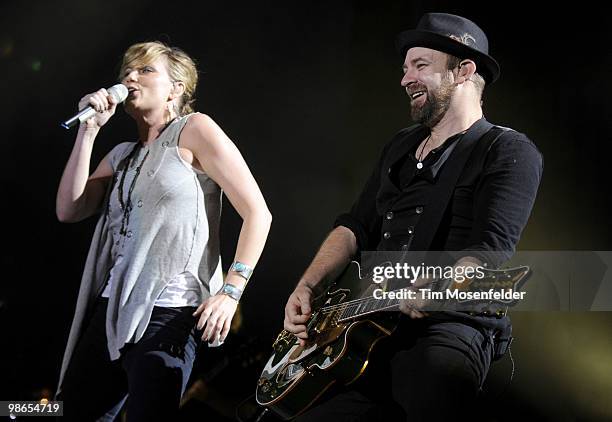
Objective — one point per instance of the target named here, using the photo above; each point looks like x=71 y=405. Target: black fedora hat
x=454 y=35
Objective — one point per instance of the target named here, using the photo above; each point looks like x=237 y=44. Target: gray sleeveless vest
x=173 y=228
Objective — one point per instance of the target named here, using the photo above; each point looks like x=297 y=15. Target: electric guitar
x=346 y=325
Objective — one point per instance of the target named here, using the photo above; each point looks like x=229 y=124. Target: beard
x=436 y=104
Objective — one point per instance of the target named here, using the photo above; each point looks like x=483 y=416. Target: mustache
x=415 y=88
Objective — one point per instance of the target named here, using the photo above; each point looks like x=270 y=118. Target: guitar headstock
x=490 y=293
x=504 y=279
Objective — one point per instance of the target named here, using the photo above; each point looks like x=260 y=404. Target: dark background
x=309 y=93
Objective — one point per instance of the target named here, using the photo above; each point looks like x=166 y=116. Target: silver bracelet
x=243 y=270
x=231 y=291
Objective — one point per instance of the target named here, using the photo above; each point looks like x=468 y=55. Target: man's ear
x=178 y=89
x=466 y=69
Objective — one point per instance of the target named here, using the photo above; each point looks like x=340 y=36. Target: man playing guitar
x=436 y=362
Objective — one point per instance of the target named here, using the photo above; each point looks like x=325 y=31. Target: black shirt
x=488 y=209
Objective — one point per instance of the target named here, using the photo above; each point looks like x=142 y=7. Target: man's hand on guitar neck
x=414 y=307
x=411 y=307
x=298 y=311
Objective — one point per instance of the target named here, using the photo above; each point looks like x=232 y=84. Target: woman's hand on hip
x=216 y=315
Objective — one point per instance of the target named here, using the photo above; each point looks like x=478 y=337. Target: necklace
x=420 y=162
x=126 y=206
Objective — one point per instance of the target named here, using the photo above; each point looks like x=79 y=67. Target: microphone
x=118 y=92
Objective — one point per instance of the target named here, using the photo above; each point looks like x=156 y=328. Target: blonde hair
x=181 y=68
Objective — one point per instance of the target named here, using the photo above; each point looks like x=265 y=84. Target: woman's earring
x=169 y=110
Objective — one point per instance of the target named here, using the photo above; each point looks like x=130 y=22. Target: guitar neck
x=511 y=278
x=360 y=307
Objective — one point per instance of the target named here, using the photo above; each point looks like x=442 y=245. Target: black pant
x=151 y=374
x=426 y=371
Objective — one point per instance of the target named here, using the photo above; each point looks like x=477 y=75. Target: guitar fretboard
x=359 y=307
x=345 y=311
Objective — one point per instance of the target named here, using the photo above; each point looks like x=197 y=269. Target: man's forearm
x=333 y=255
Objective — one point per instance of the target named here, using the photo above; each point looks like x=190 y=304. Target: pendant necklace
x=420 y=162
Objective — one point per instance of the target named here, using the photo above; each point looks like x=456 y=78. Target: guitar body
x=296 y=376
x=342 y=332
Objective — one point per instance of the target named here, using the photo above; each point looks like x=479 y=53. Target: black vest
x=439 y=216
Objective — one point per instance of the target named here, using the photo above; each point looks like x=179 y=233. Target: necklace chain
x=419 y=158
x=127 y=205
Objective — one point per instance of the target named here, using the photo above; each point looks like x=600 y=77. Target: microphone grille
x=119 y=92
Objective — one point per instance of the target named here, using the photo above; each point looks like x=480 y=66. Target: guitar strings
x=331 y=308
x=354 y=305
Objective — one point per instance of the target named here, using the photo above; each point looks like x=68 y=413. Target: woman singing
x=152 y=284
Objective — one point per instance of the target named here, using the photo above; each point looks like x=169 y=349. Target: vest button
x=139 y=204
x=410 y=229
x=129 y=233
x=386 y=235
x=150 y=173
x=419 y=210
x=389 y=215
x=165 y=144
